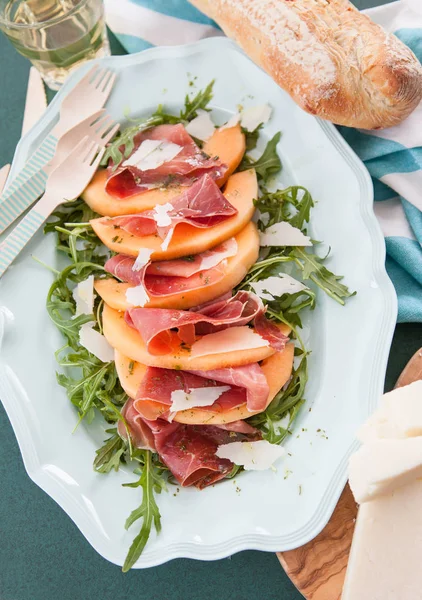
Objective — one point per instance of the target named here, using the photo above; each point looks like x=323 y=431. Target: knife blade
x=36 y=100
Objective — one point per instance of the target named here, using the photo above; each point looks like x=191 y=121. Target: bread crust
x=333 y=60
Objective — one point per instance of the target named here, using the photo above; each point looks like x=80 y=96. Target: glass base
x=55 y=77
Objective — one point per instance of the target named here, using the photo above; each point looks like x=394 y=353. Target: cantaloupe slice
x=97 y=198
x=229 y=145
x=277 y=370
x=240 y=191
x=127 y=340
x=114 y=293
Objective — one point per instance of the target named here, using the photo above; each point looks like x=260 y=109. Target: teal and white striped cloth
x=392 y=156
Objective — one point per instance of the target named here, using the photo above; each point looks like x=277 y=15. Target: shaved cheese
x=182 y=400
x=83 y=295
x=167 y=239
x=151 y=154
x=202 y=126
x=252 y=117
x=215 y=258
x=161 y=216
x=228 y=340
x=283 y=234
x=273 y=287
x=232 y=122
x=95 y=343
x=142 y=259
x=253 y=456
x=137 y=296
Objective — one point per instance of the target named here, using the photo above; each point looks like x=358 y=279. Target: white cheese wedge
x=201 y=127
x=253 y=456
x=398 y=416
x=252 y=117
x=283 y=234
x=167 y=239
x=151 y=154
x=381 y=466
x=95 y=343
x=137 y=295
x=274 y=287
x=161 y=214
x=232 y=122
x=208 y=262
x=84 y=295
x=181 y=400
x=228 y=340
x=385 y=558
x=142 y=259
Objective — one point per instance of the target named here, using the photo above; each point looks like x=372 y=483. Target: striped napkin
x=393 y=156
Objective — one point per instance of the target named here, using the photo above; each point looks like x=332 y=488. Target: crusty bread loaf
x=333 y=60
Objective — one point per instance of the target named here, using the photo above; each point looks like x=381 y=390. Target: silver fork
x=65 y=183
x=100 y=127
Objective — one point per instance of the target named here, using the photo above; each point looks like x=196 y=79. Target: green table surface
x=43 y=556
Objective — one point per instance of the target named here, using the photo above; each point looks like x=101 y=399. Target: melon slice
x=114 y=293
x=228 y=145
x=127 y=340
x=277 y=370
x=240 y=191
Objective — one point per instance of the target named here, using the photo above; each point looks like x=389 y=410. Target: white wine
x=56 y=35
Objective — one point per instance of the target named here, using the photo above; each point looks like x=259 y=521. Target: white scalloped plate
x=261 y=510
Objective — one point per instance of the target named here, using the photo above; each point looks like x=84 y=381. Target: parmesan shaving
x=202 y=126
x=253 y=456
x=228 y=340
x=273 y=287
x=252 y=117
x=181 y=400
x=95 y=343
x=161 y=216
x=283 y=234
x=167 y=239
x=137 y=295
x=216 y=258
x=151 y=154
x=142 y=259
x=83 y=295
x=232 y=122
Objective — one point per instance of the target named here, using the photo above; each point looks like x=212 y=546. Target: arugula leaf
x=251 y=138
x=293 y=204
x=109 y=456
x=150 y=480
x=200 y=101
x=268 y=165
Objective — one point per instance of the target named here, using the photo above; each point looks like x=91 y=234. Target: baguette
x=332 y=60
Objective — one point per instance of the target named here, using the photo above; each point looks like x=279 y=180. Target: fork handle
x=19 y=237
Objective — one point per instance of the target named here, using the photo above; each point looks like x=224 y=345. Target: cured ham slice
x=168 y=276
x=247 y=385
x=189 y=451
x=187 y=165
x=201 y=205
x=155 y=325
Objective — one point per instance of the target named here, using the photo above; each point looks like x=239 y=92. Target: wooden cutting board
x=318 y=568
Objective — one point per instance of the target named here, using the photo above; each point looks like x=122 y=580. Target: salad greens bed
x=93 y=386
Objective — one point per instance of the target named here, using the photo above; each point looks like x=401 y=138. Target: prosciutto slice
x=139 y=431
x=248 y=385
x=189 y=164
x=188 y=450
x=155 y=325
x=167 y=277
x=201 y=205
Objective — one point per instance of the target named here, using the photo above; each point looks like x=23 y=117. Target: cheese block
x=398 y=416
x=381 y=466
x=385 y=558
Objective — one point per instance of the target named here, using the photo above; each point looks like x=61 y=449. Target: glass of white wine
x=56 y=35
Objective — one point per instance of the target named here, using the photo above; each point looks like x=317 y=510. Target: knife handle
x=28 y=185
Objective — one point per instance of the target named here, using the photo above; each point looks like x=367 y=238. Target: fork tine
x=100 y=79
x=109 y=86
x=90 y=75
x=103 y=124
x=96 y=117
x=106 y=79
x=87 y=149
x=97 y=161
x=110 y=135
x=92 y=153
